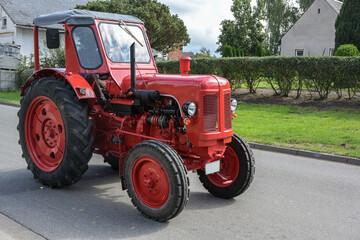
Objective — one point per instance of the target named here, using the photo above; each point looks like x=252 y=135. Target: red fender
x=77 y=82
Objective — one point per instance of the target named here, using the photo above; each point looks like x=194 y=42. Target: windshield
x=117 y=43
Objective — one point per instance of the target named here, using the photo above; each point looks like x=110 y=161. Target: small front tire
x=236 y=171
x=156 y=179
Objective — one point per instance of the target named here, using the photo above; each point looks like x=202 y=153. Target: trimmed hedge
x=317 y=74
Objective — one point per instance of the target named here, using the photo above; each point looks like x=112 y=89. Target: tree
x=165 y=31
x=246 y=30
x=204 y=53
x=229 y=35
x=242 y=54
x=259 y=52
x=280 y=16
x=347 y=24
x=305 y=4
x=227 y=52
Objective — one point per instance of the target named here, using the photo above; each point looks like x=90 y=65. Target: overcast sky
x=202 y=19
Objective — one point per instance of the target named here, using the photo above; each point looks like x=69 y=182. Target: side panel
x=72 y=61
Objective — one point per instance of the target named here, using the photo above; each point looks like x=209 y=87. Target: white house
x=314 y=33
x=16 y=26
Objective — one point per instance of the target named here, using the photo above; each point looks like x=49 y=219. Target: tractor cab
x=97 y=43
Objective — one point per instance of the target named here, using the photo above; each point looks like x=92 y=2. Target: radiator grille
x=210 y=113
x=228 y=114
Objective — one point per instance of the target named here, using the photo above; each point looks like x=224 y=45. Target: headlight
x=234 y=104
x=189 y=109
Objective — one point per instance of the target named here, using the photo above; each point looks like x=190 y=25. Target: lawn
x=331 y=131
x=12 y=97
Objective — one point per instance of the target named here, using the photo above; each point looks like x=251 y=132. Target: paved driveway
x=290 y=198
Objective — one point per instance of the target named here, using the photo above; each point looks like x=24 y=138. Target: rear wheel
x=156 y=180
x=55 y=133
x=236 y=171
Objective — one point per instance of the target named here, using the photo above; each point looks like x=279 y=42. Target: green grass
x=332 y=131
x=12 y=97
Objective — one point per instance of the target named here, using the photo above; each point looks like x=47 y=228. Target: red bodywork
x=206 y=134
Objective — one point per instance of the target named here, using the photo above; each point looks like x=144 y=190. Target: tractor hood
x=184 y=88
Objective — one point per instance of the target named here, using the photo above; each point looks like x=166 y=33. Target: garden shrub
x=347 y=50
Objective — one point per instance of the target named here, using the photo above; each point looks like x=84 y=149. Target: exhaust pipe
x=148 y=96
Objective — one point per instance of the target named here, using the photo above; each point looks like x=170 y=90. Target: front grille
x=227 y=100
x=210 y=113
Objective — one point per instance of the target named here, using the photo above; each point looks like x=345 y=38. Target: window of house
x=299 y=52
x=4 y=22
x=319 y=10
x=331 y=52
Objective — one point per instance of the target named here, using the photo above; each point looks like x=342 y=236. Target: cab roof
x=81 y=17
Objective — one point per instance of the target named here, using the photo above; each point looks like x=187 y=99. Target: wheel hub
x=50 y=133
x=150 y=182
x=44 y=134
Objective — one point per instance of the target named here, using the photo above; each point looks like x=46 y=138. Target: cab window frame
x=132 y=25
x=97 y=45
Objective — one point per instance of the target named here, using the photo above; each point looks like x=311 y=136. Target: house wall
x=25 y=38
x=314 y=32
x=7 y=35
x=22 y=36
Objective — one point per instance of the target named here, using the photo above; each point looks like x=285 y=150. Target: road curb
x=291 y=151
x=304 y=153
x=12 y=230
x=10 y=104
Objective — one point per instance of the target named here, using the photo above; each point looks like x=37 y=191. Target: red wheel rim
x=150 y=182
x=229 y=169
x=44 y=134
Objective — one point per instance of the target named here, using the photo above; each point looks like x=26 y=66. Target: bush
x=318 y=74
x=259 y=50
x=242 y=53
x=347 y=50
x=228 y=51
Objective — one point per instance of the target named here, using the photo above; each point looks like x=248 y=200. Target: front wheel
x=236 y=171
x=156 y=180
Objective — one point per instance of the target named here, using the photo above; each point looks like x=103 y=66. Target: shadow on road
x=95 y=207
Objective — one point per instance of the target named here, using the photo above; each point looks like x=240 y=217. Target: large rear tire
x=236 y=171
x=156 y=179
x=55 y=132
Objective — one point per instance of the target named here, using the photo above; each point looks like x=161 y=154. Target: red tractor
x=111 y=100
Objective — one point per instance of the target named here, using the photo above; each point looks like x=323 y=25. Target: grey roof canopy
x=78 y=17
x=23 y=12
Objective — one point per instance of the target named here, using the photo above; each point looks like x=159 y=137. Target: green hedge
x=317 y=74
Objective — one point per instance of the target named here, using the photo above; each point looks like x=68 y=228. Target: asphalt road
x=290 y=198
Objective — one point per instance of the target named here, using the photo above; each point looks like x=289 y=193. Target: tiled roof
x=336 y=5
x=23 y=12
